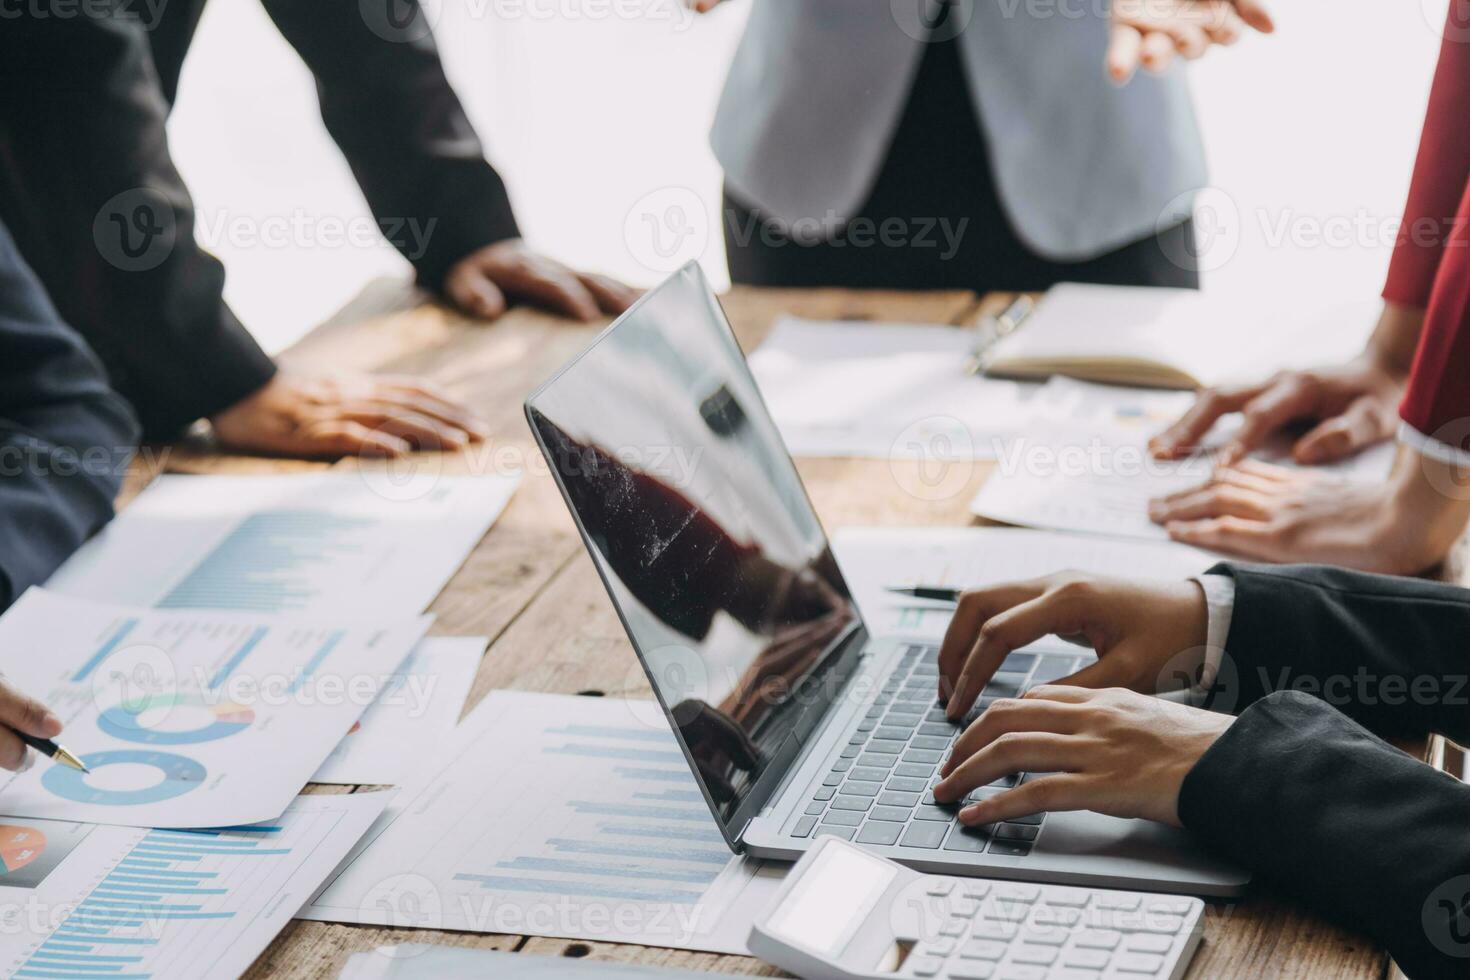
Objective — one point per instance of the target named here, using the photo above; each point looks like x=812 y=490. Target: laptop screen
x=704 y=536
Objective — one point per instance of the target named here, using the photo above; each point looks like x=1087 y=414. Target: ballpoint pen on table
x=935 y=592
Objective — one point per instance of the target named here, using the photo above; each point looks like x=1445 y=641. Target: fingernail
x=971 y=814
x=50 y=722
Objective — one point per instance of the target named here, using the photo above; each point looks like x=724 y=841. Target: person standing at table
x=65 y=437
x=924 y=145
x=100 y=211
x=1413 y=380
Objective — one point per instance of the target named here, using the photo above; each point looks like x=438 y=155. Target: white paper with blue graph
x=561 y=816
x=186 y=718
x=133 y=904
x=368 y=543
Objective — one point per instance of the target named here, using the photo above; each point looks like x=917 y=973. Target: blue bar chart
x=145 y=904
x=555 y=816
x=271 y=562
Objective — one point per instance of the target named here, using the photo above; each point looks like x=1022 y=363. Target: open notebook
x=1176 y=338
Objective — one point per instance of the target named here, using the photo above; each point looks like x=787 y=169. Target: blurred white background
x=1310 y=134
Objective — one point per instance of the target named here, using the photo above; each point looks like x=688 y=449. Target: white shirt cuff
x=1431 y=447
x=1219 y=607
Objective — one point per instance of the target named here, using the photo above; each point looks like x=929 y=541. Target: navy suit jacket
x=65 y=437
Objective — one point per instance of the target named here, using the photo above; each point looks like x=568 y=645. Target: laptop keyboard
x=880 y=790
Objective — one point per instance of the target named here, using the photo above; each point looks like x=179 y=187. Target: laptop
x=796 y=721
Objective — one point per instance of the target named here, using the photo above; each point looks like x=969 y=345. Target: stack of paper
x=1083 y=463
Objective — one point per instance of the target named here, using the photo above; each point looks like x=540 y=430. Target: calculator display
x=832 y=899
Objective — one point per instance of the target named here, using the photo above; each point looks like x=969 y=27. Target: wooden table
x=531 y=588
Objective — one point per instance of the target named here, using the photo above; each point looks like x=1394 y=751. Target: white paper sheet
x=873 y=559
x=413 y=718
x=84 y=901
x=321 y=544
x=187 y=718
x=413 y=961
x=553 y=815
x=1083 y=463
x=884 y=390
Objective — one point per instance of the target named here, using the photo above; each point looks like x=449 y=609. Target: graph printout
x=331 y=544
x=556 y=816
x=186 y=718
x=133 y=904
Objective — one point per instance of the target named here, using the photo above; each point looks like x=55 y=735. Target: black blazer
x=65 y=438
x=1301 y=792
x=101 y=213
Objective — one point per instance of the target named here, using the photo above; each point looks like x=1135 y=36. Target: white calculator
x=844 y=913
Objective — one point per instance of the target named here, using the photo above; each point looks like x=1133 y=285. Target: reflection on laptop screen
x=702 y=531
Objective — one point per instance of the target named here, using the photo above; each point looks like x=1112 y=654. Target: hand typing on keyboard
x=1113 y=751
x=1143 y=633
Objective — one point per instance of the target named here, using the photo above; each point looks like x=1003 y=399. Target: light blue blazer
x=1083 y=166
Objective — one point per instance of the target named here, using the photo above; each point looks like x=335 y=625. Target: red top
x=1430 y=269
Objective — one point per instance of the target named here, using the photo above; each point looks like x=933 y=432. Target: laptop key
x=1009 y=848
x=940 y=742
x=875 y=760
x=929 y=756
x=842 y=765
x=892 y=814
x=935 y=813
x=844 y=832
x=926 y=835
x=832 y=779
x=815 y=809
x=851 y=803
x=1015 y=831
x=913 y=770
x=803 y=826
x=851 y=751
x=843 y=818
x=825 y=793
x=858 y=787
x=970 y=840
x=905 y=784
x=944 y=729
x=879 y=833
x=1030 y=818
x=871 y=774
x=897 y=799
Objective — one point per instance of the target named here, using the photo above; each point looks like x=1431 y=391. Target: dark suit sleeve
x=1391 y=653
x=1346 y=824
x=65 y=438
x=387 y=103
x=104 y=218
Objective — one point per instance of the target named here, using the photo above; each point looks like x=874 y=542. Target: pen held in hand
x=53 y=751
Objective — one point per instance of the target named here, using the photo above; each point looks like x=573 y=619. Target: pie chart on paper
x=19 y=846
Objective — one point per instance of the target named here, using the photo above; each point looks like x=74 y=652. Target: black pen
x=936 y=592
x=53 y=751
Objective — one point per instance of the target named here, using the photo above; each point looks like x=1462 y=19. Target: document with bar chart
x=557 y=816
x=320 y=544
x=133 y=904
x=187 y=718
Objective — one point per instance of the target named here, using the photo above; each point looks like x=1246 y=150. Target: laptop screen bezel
x=845 y=652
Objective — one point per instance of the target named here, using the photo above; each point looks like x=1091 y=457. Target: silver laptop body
x=795 y=721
